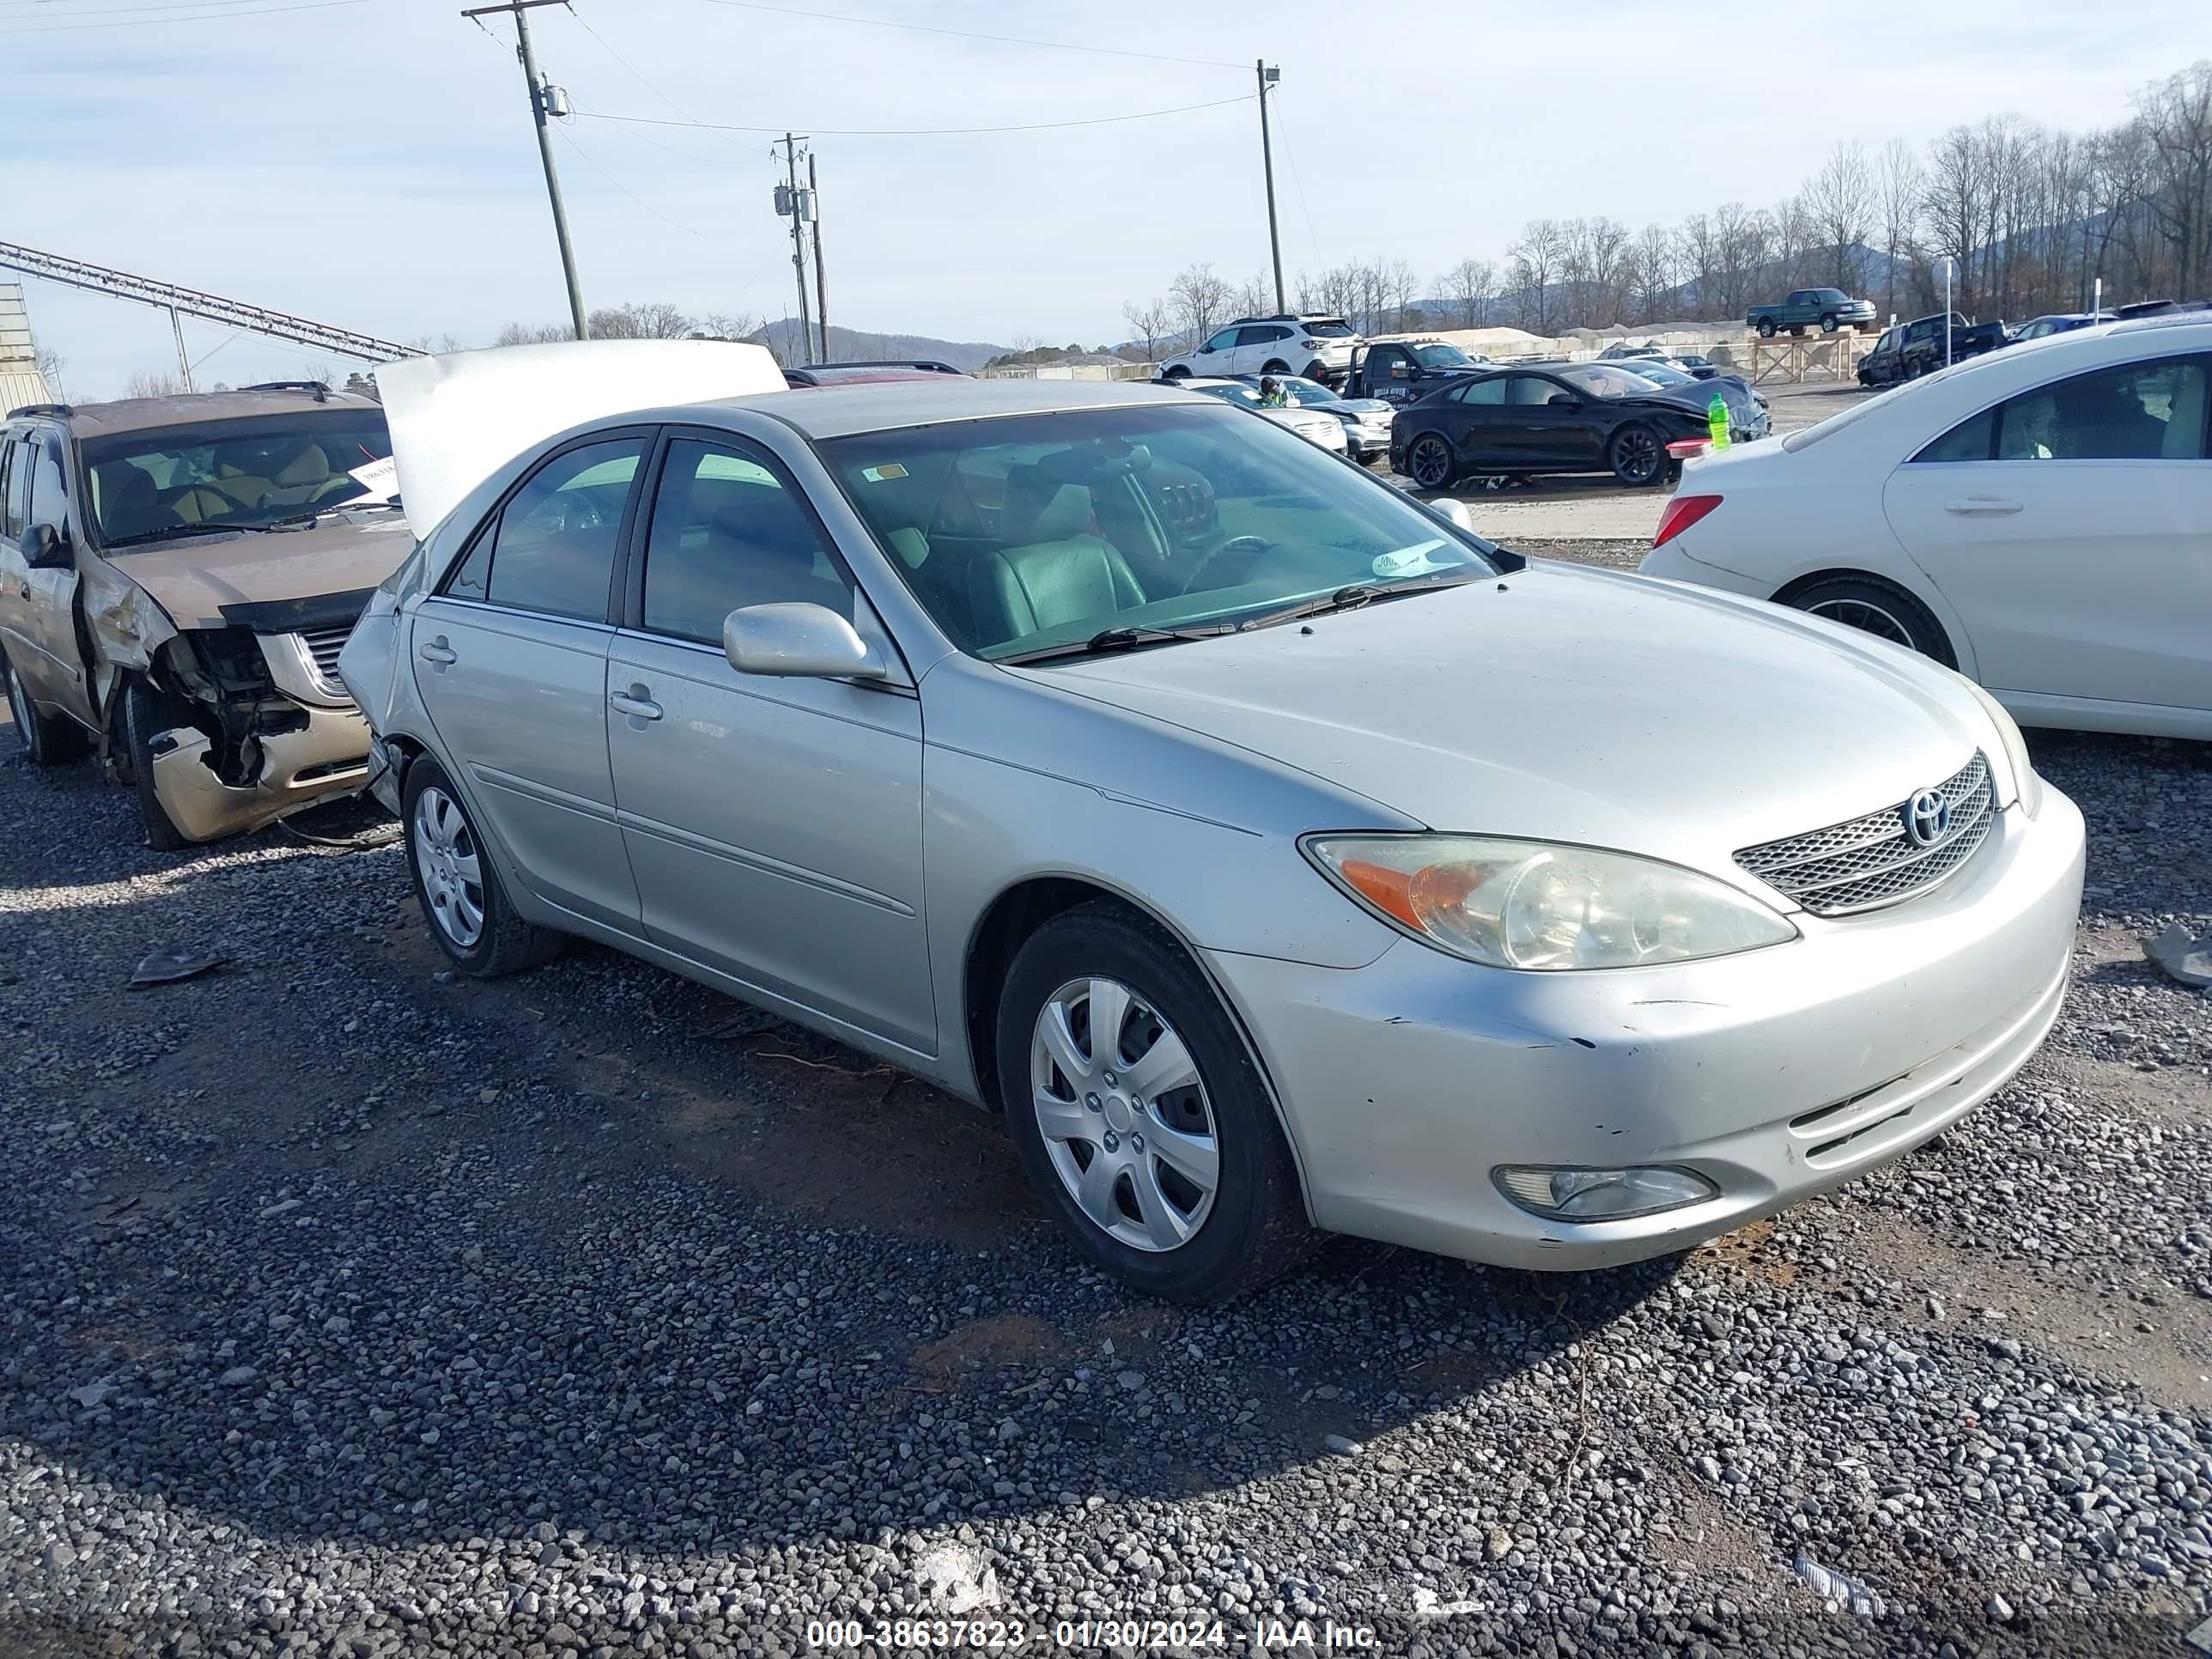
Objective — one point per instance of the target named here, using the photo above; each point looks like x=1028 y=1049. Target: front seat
x=130 y=501
x=1061 y=574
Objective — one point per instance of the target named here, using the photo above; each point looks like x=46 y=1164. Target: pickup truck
x=1405 y=371
x=1828 y=308
x=1911 y=350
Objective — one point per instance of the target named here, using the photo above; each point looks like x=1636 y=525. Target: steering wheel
x=1254 y=547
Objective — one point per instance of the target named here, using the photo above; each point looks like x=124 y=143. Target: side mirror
x=798 y=641
x=1456 y=511
x=1563 y=400
x=45 y=550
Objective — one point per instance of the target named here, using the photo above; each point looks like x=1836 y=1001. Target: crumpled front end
x=258 y=726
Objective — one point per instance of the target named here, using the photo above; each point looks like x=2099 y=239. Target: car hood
x=1363 y=407
x=192 y=581
x=1567 y=704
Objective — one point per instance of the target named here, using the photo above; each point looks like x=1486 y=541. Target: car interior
x=193 y=477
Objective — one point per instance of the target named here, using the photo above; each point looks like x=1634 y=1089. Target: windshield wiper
x=1359 y=594
x=169 y=533
x=1119 y=639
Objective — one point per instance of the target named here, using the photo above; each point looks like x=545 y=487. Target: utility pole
x=184 y=363
x=543 y=97
x=821 y=288
x=791 y=201
x=1269 y=77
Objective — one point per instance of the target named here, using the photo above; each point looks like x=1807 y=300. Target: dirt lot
x=351 y=1310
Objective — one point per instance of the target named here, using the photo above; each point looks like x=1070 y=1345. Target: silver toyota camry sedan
x=1274 y=853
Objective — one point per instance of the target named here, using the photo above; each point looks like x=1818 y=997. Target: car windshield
x=1311 y=394
x=231 y=474
x=1232 y=392
x=1439 y=355
x=1327 y=328
x=1606 y=380
x=1652 y=369
x=1027 y=533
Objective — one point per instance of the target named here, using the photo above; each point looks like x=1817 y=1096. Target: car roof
x=191 y=408
x=839 y=411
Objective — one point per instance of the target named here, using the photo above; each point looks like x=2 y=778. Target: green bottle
x=1717 y=421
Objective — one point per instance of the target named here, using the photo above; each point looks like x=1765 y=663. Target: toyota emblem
x=1927 y=818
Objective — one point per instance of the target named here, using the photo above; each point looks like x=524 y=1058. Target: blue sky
x=370 y=164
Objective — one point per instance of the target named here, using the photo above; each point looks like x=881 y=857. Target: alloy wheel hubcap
x=446 y=859
x=1639 y=453
x=1868 y=617
x=1430 y=463
x=1125 y=1116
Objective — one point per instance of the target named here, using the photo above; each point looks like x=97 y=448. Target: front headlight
x=2027 y=786
x=1543 y=905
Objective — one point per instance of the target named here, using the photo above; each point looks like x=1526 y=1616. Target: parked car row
x=1102 y=754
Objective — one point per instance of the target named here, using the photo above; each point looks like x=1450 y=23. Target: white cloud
x=372 y=165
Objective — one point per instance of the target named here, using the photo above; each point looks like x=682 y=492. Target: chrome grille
x=323 y=644
x=1872 y=862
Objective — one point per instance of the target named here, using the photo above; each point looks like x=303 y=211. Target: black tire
x=1827 y=322
x=1766 y=328
x=146 y=714
x=1177 y=372
x=1275 y=366
x=1429 y=462
x=1316 y=371
x=1796 y=331
x=1879 y=608
x=1637 y=456
x=1913 y=369
x=503 y=943
x=47 y=740
x=1255 y=1227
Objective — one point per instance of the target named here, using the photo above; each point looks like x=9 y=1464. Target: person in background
x=1271 y=395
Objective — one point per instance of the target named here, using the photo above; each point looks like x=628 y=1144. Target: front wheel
x=1178 y=372
x=1429 y=462
x=1828 y=322
x=1876 y=608
x=1138 y=1113
x=1766 y=328
x=47 y=740
x=458 y=889
x=1274 y=366
x=1637 y=456
x=146 y=714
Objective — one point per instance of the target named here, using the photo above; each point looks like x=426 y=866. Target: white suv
x=1317 y=347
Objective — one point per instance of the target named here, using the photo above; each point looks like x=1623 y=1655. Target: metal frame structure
x=180 y=302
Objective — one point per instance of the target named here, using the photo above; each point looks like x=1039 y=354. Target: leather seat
x=129 y=500
x=1026 y=590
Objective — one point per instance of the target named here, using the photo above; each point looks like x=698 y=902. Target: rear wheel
x=47 y=740
x=1429 y=462
x=146 y=714
x=1912 y=368
x=1138 y=1113
x=1316 y=370
x=1875 y=607
x=1637 y=456
x=457 y=887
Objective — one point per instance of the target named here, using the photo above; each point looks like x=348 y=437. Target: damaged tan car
x=176 y=575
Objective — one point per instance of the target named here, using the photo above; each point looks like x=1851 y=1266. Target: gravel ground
x=352 y=1310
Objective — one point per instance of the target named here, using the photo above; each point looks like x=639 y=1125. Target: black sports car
x=1567 y=417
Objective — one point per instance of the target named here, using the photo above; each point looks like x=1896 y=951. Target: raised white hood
x=459 y=417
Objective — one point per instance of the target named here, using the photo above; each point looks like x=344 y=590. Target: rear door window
x=13 y=476
x=552 y=549
x=2147 y=411
x=1490 y=392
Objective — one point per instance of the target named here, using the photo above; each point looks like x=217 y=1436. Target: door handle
x=635 y=703
x=1974 y=504
x=437 y=651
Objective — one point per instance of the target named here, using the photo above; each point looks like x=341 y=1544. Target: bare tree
x=1255 y=296
x=50 y=363
x=1955 y=202
x=1151 y=320
x=146 y=384
x=1841 y=203
x=1654 y=265
x=1537 y=258
x=533 y=334
x=2176 y=113
x=1744 y=247
x=1201 y=299
x=655 y=320
x=1900 y=188
x=1467 y=286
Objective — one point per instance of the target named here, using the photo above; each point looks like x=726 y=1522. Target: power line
x=204 y=17
x=42 y=8
x=921 y=132
x=1291 y=155
x=636 y=74
x=625 y=189
x=970 y=34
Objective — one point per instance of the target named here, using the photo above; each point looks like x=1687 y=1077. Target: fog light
x=1600 y=1194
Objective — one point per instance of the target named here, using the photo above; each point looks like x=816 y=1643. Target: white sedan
x=2039 y=518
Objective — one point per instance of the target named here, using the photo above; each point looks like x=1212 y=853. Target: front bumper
x=1775 y=1073
x=326 y=758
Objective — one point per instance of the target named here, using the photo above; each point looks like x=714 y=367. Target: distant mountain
x=854 y=345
